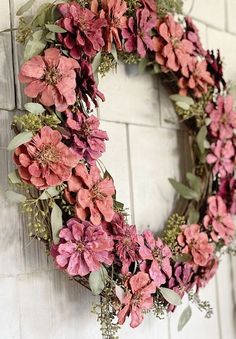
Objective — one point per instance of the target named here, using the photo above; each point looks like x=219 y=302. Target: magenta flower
x=173 y=51
x=218 y=221
x=159 y=256
x=126 y=242
x=215 y=67
x=51 y=79
x=137 y=299
x=93 y=194
x=83 y=248
x=227 y=191
x=222 y=158
x=84 y=30
x=192 y=34
x=45 y=161
x=198 y=79
x=223 y=117
x=138 y=32
x=87 y=139
x=195 y=243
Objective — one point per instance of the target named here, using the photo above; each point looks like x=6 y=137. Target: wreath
x=66 y=190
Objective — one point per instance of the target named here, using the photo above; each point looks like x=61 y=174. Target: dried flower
x=215 y=67
x=192 y=34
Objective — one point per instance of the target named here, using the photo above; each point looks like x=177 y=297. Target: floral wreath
x=65 y=188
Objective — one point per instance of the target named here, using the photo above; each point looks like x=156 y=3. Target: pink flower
x=173 y=51
x=223 y=117
x=50 y=78
x=198 y=79
x=87 y=138
x=137 y=299
x=227 y=191
x=205 y=274
x=83 y=248
x=93 y=194
x=221 y=158
x=45 y=161
x=113 y=11
x=126 y=242
x=218 y=221
x=192 y=34
x=159 y=256
x=151 y=5
x=195 y=243
x=84 y=30
x=215 y=67
x=138 y=32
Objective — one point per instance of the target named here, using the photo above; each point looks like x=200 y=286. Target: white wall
x=38 y=302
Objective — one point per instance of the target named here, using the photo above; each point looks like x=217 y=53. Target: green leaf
x=184 y=318
x=180 y=98
x=51 y=36
x=49 y=193
x=97 y=280
x=55 y=28
x=96 y=62
x=142 y=65
x=40 y=17
x=25 y=7
x=35 y=45
x=183 y=190
x=183 y=105
x=15 y=197
x=114 y=52
x=171 y=296
x=193 y=215
x=14 y=178
x=19 y=139
x=34 y=108
x=201 y=137
x=56 y=222
x=184 y=257
x=194 y=182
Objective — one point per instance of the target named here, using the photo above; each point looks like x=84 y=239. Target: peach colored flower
x=93 y=194
x=158 y=255
x=218 y=221
x=45 y=161
x=83 y=248
x=137 y=299
x=195 y=243
x=50 y=78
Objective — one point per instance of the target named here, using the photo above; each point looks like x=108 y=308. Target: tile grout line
x=130 y=174
x=218 y=308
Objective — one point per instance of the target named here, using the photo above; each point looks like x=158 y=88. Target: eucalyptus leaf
x=97 y=280
x=51 y=36
x=19 y=139
x=181 y=98
x=193 y=216
x=96 y=62
x=35 y=45
x=55 y=28
x=201 y=137
x=25 y=7
x=171 y=296
x=184 y=318
x=56 y=222
x=14 y=178
x=114 y=52
x=184 y=190
x=183 y=105
x=142 y=65
x=15 y=197
x=34 y=107
x=49 y=193
x=194 y=182
x=40 y=17
x=184 y=257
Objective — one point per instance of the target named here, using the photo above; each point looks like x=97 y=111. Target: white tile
x=156 y=155
x=6 y=133
x=9 y=306
x=231 y=9
x=129 y=98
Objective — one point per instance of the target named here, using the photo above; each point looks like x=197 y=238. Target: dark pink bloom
x=222 y=158
x=151 y=5
x=192 y=34
x=83 y=248
x=50 y=78
x=159 y=256
x=195 y=243
x=45 y=161
x=223 y=117
x=197 y=80
x=218 y=221
x=227 y=191
x=137 y=299
x=126 y=242
x=84 y=30
x=87 y=139
x=173 y=51
x=93 y=194
x=138 y=32
x=215 y=67
x=205 y=274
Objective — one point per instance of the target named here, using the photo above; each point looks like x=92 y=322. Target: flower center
x=157 y=255
x=80 y=247
x=52 y=76
x=47 y=155
x=96 y=194
x=85 y=130
x=175 y=42
x=136 y=299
